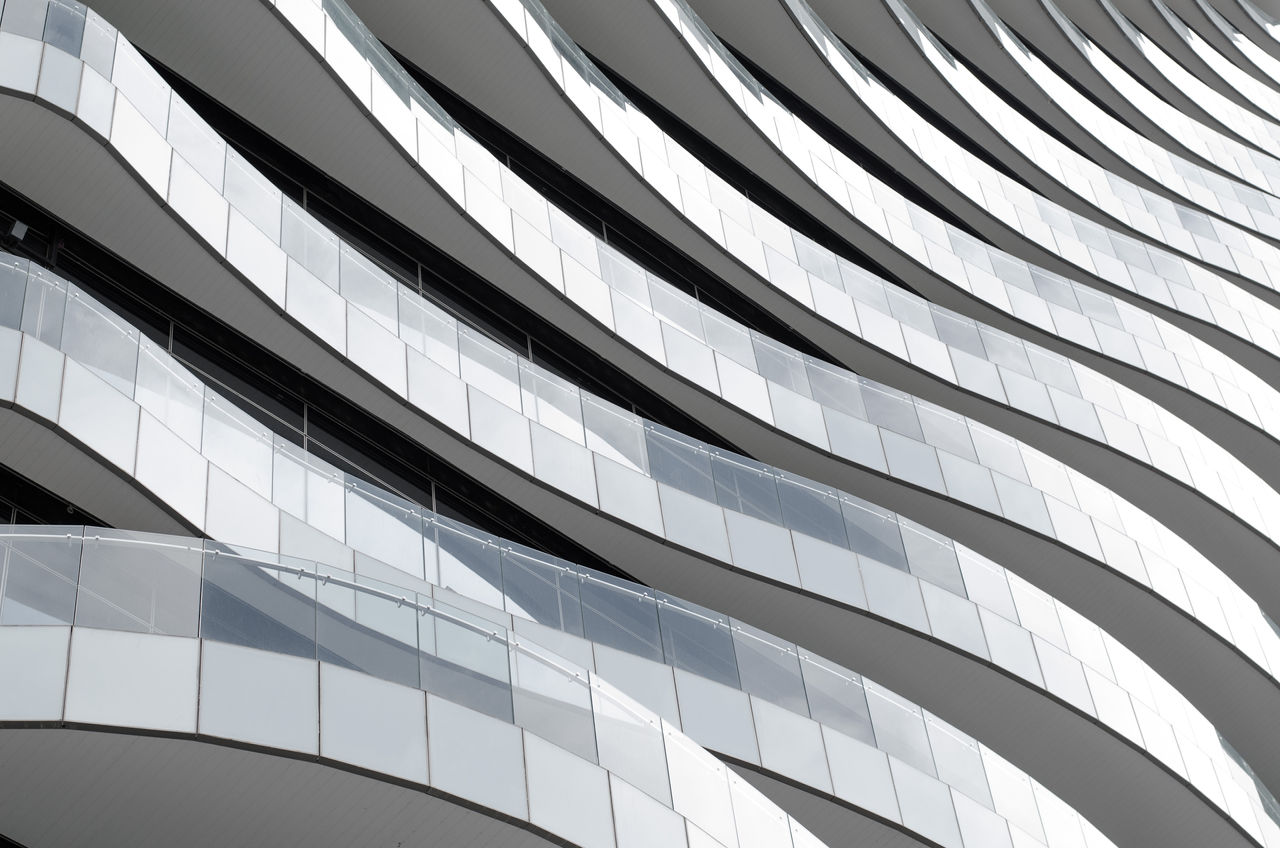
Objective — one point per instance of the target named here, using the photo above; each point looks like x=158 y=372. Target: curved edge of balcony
x=1084 y=764
x=794 y=65
x=684 y=83
x=1148 y=19
x=1034 y=24
x=966 y=34
x=469 y=47
x=832 y=820
x=40 y=451
x=155 y=743
x=771 y=37
x=1197 y=20
x=1240 y=18
x=165 y=771
x=906 y=55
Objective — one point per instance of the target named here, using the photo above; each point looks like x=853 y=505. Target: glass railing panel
x=552 y=402
x=64 y=26
x=388 y=528
x=13 y=290
x=470 y=562
x=551 y=699
x=621 y=615
x=541 y=589
x=697 y=640
x=170 y=392
x=769 y=667
x=253 y=195
x=746 y=487
x=105 y=344
x=44 y=308
x=310 y=244
x=238 y=443
x=811 y=509
x=837 y=697
x=629 y=742
x=370 y=627
x=139 y=583
x=679 y=462
x=41 y=573
x=256 y=604
x=899 y=727
x=470 y=663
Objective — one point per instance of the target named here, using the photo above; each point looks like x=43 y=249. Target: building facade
x=640 y=423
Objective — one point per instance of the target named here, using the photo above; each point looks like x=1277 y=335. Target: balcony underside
x=107 y=788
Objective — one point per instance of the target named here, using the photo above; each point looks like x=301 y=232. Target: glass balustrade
x=864 y=745
x=121 y=581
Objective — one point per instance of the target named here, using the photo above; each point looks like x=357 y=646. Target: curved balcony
x=187 y=640
x=1221 y=149
x=1158 y=48
x=1266 y=64
x=885 y=335
x=495 y=373
x=496 y=663
x=1187 y=293
x=847 y=69
x=309 y=507
x=817 y=264
x=1034 y=22
x=1267 y=23
x=1263 y=98
x=1133 y=156
x=1067 y=241
x=1207 y=24
x=1206 y=186
x=1189 y=230
x=751 y=234
x=1146 y=17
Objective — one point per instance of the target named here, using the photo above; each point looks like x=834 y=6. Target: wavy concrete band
x=1182 y=227
x=362 y=276
x=1254 y=122
x=164 y=387
x=1229 y=197
x=1175 y=177
x=528 y=435
x=1220 y=147
x=833 y=299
